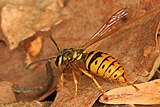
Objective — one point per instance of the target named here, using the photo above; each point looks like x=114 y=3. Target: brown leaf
x=38 y=92
x=134 y=46
x=155 y=67
x=86 y=18
x=6 y=94
x=148 y=94
x=26 y=20
x=33 y=48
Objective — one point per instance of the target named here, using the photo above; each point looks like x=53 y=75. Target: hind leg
x=130 y=83
x=92 y=77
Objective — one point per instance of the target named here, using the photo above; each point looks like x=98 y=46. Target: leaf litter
x=147 y=95
x=26 y=20
x=134 y=45
x=87 y=91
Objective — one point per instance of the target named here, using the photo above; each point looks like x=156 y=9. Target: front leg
x=76 y=84
x=61 y=82
x=60 y=86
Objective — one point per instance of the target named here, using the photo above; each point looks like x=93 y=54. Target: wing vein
x=114 y=23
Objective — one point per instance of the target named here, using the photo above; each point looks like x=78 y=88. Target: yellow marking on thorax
x=80 y=56
x=64 y=58
x=75 y=55
x=84 y=51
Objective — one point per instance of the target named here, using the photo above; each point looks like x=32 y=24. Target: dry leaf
x=136 y=47
x=39 y=92
x=6 y=94
x=32 y=49
x=27 y=20
x=86 y=18
x=35 y=46
x=148 y=94
x=128 y=45
x=52 y=83
x=156 y=62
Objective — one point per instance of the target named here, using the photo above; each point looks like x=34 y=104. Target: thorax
x=66 y=56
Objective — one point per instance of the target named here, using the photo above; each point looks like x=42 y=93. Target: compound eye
x=57 y=60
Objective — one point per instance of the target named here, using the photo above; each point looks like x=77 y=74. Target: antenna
x=46 y=59
x=54 y=43
x=41 y=60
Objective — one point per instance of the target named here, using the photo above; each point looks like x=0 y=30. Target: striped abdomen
x=104 y=65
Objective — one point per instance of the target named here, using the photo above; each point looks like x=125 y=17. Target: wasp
x=96 y=62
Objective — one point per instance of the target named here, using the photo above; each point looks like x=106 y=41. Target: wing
x=114 y=23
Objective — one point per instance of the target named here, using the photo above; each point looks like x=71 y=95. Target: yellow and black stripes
x=59 y=60
x=99 y=63
x=104 y=65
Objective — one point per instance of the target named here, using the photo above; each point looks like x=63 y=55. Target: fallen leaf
x=27 y=20
x=148 y=94
x=38 y=92
x=33 y=48
x=132 y=44
x=127 y=45
x=156 y=62
x=86 y=18
x=52 y=83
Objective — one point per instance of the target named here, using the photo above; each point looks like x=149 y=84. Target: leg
x=133 y=86
x=61 y=78
x=92 y=77
x=61 y=82
x=130 y=84
x=76 y=84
